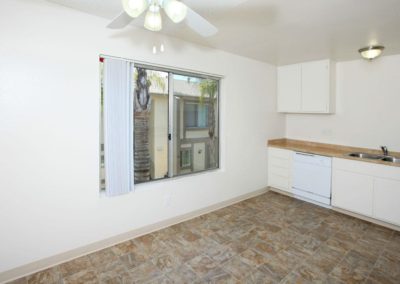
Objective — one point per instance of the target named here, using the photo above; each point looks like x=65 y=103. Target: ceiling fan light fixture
x=175 y=10
x=134 y=7
x=153 y=21
x=371 y=52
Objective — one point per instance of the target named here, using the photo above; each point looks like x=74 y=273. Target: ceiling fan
x=176 y=11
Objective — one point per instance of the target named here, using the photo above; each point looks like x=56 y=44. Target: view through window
x=176 y=124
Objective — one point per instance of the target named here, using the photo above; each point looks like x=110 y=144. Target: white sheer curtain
x=118 y=126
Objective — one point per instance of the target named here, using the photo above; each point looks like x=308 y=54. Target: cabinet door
x=386 y=200
x=289 y=88
x=315 y=86
x=352 y=191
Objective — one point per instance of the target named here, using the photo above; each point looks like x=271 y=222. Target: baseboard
x=281 y=191
x=368 y=219
x=352 y=214
x=42 y=264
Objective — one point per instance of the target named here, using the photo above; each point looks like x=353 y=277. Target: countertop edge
x=329 y=150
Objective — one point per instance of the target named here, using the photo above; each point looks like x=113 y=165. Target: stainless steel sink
x=365 y=156
x=361 y=155
x=391 y=159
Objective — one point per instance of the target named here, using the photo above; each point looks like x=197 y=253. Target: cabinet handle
x=305 y=154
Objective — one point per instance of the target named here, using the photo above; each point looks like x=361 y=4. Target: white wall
x=368 y=100
x=49 y=129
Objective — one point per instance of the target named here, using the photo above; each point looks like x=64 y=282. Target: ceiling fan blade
x=121 y=21
x=199 y=24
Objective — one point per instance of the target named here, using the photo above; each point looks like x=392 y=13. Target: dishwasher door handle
x=305 y=154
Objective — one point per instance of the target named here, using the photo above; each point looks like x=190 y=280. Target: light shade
x=134 y=7
x=175 y=10
x=371 y=52
x=153 y=20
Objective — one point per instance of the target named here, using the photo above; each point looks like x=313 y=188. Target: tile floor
x=267 y=239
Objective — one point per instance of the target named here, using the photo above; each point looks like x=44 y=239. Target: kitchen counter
x=330 y=150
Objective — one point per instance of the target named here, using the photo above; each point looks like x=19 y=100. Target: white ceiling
x=282 y=31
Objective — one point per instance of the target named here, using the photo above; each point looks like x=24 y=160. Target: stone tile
x=220 y=253
x=370 y=248
x=265 y=248
x=394 y=243
x=51 y=276
x=354 y=268
x=237 y=247
x=305 y=225
x=287 y=260
x=258 y=277
x=283 y=239
x=145 y=272
x=166 y=262
x=102 y=257
x=134 y=259
x=189 y=237
x=160 y=280
x=333 y=280
x=379 y=277
x=376 y=232
x=298 y=252
x=149 y=244
x=236 y=267
x=294 y=278
x=253 y=258
x=21 y=280
x=185 y=253
x=388 y=265
x=113 y=268
x=88 y=276
x=124 y=248
x=325 y=258
x=182 y=274
x=202 y=265
x=323 y=231
x=307 y=244
x=221 y=239
x=218 y=275
x=274 y=270
x=339 y=243
x=311 y=273
x=75 y=265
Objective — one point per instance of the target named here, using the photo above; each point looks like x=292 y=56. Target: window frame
x=189 y=73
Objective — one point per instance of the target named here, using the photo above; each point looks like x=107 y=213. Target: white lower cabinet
x=352 y=191
x=387 y=200
x=366 y=188
x=280 y=168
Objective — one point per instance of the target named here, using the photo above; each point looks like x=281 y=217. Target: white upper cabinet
x=307 y=87
x=289 y=88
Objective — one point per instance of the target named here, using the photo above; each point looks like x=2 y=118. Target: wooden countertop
x=330 y=150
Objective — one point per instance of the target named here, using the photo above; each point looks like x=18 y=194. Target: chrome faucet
x=385 y=150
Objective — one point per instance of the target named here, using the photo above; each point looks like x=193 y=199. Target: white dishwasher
x=312 y=176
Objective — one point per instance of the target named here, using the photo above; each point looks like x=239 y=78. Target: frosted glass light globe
x=153 y=20
x=175 y=10
x=134 y=7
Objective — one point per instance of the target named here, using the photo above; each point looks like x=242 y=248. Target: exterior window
x=196 y=115
x=186 y=158
x=176 y=123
